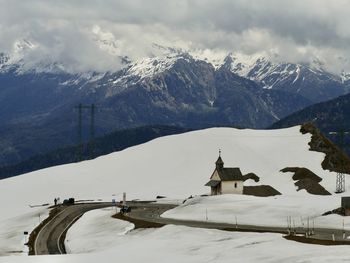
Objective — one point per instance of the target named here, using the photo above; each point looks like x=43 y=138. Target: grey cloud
x=298 y=30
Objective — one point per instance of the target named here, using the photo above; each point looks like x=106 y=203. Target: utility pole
x=80 y=147
x=92 y=130
x=80 y=131
x=124 y=199
x=340 y=180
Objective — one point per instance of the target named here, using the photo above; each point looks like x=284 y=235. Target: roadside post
x=114 y=203
x=25 y=237
x=294 y=227
x=289 y=225
x=302 y=223
x=124 y=199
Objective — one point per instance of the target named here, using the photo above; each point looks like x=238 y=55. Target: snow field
x=182 y=244
x=174 y=166
x=262 y=211
x=12 y=238
x=95 y=231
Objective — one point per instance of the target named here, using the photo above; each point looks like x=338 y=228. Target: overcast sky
x=72 y=32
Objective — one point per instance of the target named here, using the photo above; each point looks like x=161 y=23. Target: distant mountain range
x=332 y=115
x=310 y=81
x=175 y=88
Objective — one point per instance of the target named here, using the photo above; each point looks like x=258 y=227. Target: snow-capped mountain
x=345 y=77
x=146 y=68
x=20 y=49
x=171 y=87
x=311 y=81
x=19 y=60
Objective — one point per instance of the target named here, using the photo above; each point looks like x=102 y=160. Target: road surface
x=50 y=239
x=151 y=213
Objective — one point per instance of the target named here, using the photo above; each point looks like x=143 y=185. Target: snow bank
x=183 y=244
x=96 y=231
x=262 y=211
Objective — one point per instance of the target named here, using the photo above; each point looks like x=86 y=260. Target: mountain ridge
x=174 y=88
x=328 y=116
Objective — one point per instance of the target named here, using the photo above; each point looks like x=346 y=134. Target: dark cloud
x=64 y=30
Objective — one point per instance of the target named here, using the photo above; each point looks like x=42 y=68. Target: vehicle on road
x=69 y=201
x=125 y=209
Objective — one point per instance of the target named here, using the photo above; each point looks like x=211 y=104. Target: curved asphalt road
x=50 y=238
x=151 y=213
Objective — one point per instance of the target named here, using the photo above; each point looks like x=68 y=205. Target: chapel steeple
x=219 y=162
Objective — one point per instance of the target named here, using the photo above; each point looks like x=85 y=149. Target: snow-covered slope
x=179 y=165
x=148 y=67
x=96 y=231
x=184 y=244
x=173 y=244
x=174 y=166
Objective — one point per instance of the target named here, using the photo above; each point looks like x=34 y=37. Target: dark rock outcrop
x=335 y=160
x=307 y=180
x=260 y=190
x=251 y=176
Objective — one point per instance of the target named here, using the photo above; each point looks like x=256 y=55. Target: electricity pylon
x=92 y=109
x=340 y=180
